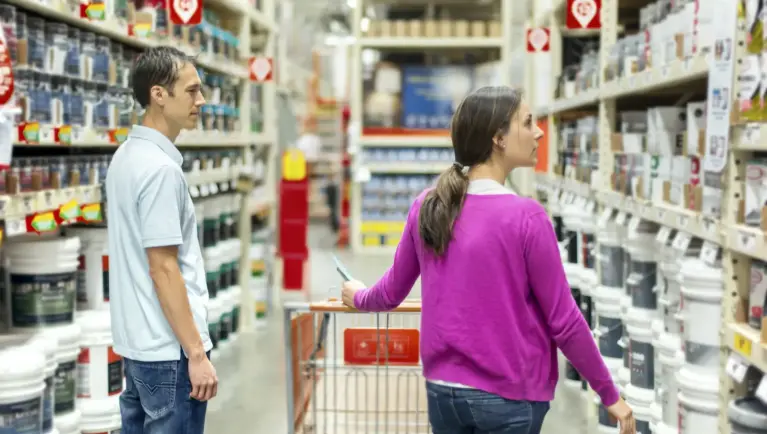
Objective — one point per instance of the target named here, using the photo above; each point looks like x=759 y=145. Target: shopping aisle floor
x=252 y=373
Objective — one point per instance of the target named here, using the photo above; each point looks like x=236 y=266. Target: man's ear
x=158 y=94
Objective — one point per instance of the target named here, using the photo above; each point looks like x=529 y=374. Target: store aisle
x=252 y=394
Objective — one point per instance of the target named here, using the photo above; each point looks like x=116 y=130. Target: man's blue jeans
x=156 y=399
x=454 y=410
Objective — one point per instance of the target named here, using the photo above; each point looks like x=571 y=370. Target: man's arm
x=159 y=206
x=171 y=291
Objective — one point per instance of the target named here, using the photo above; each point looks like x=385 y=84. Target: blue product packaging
x=430 y=94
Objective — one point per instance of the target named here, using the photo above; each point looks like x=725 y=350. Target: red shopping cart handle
x=336 y=305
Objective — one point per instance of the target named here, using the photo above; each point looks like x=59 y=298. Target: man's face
x=183 y=108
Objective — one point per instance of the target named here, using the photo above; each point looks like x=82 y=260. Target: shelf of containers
x=656 y=147
x=237 y=124
x=404 y=143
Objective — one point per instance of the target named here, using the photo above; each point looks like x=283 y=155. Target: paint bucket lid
x=100 y=415
x=640 y=401
x=68 y=423
x=693 y=383
x=698 y=274
x=748 y=412
x=96 y=327
x=22 y=372
x=45 y=249
x=48 y=344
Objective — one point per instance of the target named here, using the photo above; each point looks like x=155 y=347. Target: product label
x=571 y=238
x=43 y=299
x=82 y=288
x=109 y=377
x=225 y=276
x=225 y=327
x=701 y=354
x=48 y=403
x=588 y=251
x=213 y=279
x=213 y=331
x=641 y=283
x=604 y=417
x=65 y=387
x=585 y=306
x=610 y=333
x=643 y=427
x=105 y=276
x=611 y=266
x=22 y=417
x=115 y=373
x=236 y=319
x=642 y=362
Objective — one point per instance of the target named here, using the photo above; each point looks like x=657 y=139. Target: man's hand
x=348 y=290
x=203 y=377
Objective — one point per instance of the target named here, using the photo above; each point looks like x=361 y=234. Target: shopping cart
x=354 y=373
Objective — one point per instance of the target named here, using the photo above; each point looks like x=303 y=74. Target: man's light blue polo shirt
x=148 y=205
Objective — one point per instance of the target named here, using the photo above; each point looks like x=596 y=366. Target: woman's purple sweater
x=497 y=305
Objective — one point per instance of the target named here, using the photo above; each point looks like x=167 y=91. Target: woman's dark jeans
x=454 y=410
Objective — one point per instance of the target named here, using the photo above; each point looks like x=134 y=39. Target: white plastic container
x=65 y=383
x=640 y=401
x=22 y=382
x=236 y=309
x=610 y=257
x=702 y=290
x=747 y=416
x=641 y=282
x=609 y=330
x=642 y=360
x=214 y=323
x=48 y=345
x=42 y=281
x=671 y=359
x=100 y=416
x=225 y=318
x=68 y=423
x=212 y=270
x=698 y=401
x=99 y=368
x=93 y=285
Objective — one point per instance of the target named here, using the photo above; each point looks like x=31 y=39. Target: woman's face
x=521 y=143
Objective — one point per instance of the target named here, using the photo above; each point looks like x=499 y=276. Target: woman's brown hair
x=482 y=116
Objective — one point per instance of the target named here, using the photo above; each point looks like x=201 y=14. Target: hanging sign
x=583 y=14
x=185 y=12
x=538 y=40
x=6 y=72
x=261 y=68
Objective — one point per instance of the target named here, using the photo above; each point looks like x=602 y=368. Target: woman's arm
x=569 y=329
x=398 y=281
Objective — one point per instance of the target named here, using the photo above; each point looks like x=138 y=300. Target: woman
x=495 y=300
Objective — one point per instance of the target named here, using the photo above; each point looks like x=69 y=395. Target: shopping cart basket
x=354 y=373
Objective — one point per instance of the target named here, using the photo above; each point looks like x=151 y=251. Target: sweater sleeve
x=567 y=326
x=398 y=281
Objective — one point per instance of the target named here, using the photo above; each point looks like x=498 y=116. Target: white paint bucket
x=698 y=401
x=702 y=290
x=642 y=359
x=22 y=382
x=214 y=323
x=100 y=416
x=48 y=345
x=99 y=368
x=640 y=401
x=93 y=281
x=68 y=423
x=65 y=380
x=671 y=359
x=747 y=416
x=42 y=281
x=609 y=330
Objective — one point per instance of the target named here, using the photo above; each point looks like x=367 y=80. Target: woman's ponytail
x=440 y=208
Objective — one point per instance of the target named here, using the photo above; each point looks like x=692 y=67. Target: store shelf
x=745 y=342
x=407 y=141
x=420 y=43
x=49 y=135
x=747 y=240
x=668 y=75
x=580 y=100
x=407 y=167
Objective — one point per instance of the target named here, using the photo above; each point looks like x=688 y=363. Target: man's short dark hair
x=157 y=66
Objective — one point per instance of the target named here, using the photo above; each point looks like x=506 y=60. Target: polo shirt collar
x=488 y=186
x=159 y=139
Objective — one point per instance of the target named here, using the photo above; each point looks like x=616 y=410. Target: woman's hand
x=348 y=290
x=621 y=411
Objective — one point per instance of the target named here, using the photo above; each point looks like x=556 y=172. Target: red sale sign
x=6 y=72
x=185 y=12
x=538 y=39
x=583 y=14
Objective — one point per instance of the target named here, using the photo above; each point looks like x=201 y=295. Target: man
x=157 y=279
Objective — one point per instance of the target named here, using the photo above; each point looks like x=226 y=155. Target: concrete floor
x=252 y=372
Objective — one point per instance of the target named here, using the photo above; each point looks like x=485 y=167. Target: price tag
x=746 y=241
x=632 y=81
x=213 y=188
x=581 y=202
x=752 y=134
x=709 y=252
x=27 y=204
x=194 y=191
x=5 y=202
x=681 y=241
x=663 y=233
x=605 y=217
x=709 y=225
x=620 y=219
x=660 y=214
x=204 y=190
x=736 y=368
x=15 y=227
x=46 y=200
x=683 y=221
x=633 y=226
